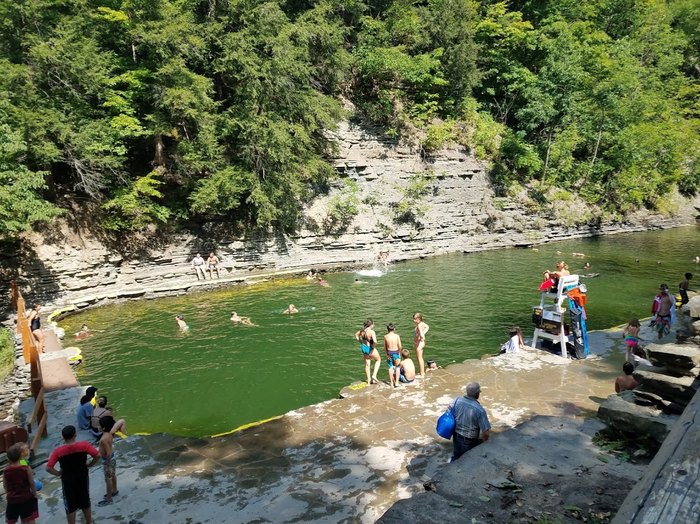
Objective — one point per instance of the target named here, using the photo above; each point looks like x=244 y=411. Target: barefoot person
x=109 y=464
x=198 y=266
x=663 y=308
x=35 y=325
x=368 y=345
x=392 y=348
x=213 y=265
x=419 y=341
x=74 y=475
x=407 y=368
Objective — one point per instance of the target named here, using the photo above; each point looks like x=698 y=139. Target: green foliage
x=438 y=135
x=342 y=208
x=21 y=206
x=7 y=352
x=411 y=208
x=230 y=102
x=136 y=206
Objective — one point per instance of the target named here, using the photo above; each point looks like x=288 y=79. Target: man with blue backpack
x=472 y=424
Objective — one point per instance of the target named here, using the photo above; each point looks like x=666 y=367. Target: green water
x=218 y=376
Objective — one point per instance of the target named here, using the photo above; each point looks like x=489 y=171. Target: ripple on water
x=219 y=376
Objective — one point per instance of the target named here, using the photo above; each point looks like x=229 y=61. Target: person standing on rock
x=419 y=341
x=684 y=287
x=392 y=348
x=368 y=345
x=663 y=309
x=74 y=474
x=472 y=424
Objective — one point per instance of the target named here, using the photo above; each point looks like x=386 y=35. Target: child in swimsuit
x=631 y=335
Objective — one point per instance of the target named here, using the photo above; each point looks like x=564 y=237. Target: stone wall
x=67 y=263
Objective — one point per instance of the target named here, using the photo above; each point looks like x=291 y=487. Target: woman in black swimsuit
x=35 y=325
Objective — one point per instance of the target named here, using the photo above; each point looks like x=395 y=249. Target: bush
x=7 y=352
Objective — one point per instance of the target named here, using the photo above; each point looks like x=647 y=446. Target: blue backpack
x=446 y=424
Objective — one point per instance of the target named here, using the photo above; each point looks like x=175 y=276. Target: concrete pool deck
x=343 y=460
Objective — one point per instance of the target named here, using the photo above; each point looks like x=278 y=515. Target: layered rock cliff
x=409 y=205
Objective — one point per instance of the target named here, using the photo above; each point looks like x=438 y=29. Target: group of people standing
x=70 y=462
x=401 y=368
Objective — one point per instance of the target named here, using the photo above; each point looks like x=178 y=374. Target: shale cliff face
x=409 y=205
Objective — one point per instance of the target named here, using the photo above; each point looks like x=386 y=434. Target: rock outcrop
x=457 y=210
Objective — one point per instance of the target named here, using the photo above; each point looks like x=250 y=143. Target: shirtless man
x=198 y=266
x=291 y=309
x=663 y=303
x=419 y=341
x=392 y=348
x=213 y=265
x=626 y=381
x=408 y=369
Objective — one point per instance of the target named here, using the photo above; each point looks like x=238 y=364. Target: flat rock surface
x=344 y=460
x=546 y=470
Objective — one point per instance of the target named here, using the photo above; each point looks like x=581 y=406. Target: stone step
x=682 y=357
x=675 y=389
x=620 y=412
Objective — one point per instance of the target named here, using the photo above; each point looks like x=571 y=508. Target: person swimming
x=237 y=319
x=181 y=323
x=291 y=309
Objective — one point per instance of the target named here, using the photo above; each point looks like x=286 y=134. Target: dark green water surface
x=219 y=376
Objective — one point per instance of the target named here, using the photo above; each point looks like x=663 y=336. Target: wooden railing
x=31 y=354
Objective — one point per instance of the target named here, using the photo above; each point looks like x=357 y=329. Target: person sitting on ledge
x=551 y=278
x=198 y=266
x=102 y=410
x=213 y=265
x=626 y=381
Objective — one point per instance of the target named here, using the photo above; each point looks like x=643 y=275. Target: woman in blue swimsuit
x=368 y=345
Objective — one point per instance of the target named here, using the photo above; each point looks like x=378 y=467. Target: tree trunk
x=159 y=158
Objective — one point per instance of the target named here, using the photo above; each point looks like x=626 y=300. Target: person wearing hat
x=472 y=424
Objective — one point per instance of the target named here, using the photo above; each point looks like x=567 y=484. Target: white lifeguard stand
x=553 y=310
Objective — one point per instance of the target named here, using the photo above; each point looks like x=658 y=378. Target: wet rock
x=675 y=389
x=682 y=358
x=620 y=412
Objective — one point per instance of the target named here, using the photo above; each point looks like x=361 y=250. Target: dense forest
x=172 y=111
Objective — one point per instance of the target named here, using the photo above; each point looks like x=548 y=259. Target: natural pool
x=219 y=376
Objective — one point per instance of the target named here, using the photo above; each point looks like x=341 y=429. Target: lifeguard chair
x=549 y=316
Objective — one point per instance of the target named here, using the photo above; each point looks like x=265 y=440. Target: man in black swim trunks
x=75 y=479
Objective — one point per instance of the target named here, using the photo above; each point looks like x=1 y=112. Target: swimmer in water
x=235 y=318
x=322 y=282
x=291 y=309
x=83 y=333
x=181 y=323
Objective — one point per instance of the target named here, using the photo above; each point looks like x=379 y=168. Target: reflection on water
x=220 y=375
